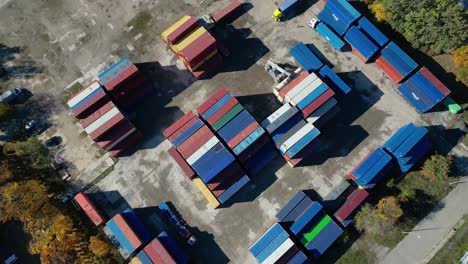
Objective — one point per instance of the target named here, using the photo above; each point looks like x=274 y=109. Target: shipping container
x=202 y=150
x=282 y=119
x=345 y=214
x=266 y=238
x=116 y=135
x=137 y=225
x=361 y=43
x=335 y=41
x=222 y=111
x=272 y=246
x=286 y=127
x=288 y=134
x=309 y=93
x=302 y=221
x=127 y=230
x=208 y=67
x=173 y=27
x=233 y=189
x=301 y=133
x=252 y=149
x=399 y=137
x=158 y=253
x=339 y=15
x=311 y=80
x=183 y=165
x=302 y=143
x=315 y=94
x=227 y=117
x=113 y=71
x=194 y=142
x=279 y=252
x=189 y=39
x=178 y=124
x=287 y=5
x=377 y=171
x=316 y=103
x=118 y=239
x=260 y=159
x=275 y=115
x=289 y=207
x=129 y=142
x=171 y=245
x=181 y=31
x=316 y=229
x=104 y=123
x=416 y=97
x=185 y=131
x=288 y=254
x=244 y=144
x=130 y=73
x=202 y=60
x=299 y=258
x=143 y=258
x=436 y=82
x=226 y=12
x=427 y=87
x=305 y=57
x=206 y=192
x=243 y=134
x=89 y=209
x=368 y=163
x=212 y=100
x=386 y=67
x=236 y=125
x=200 y=48
x=226 y=178
x=372 y=32
x=334 y=81
x=217 y=106
x=85 y=122
x=322 y=110
x=418 y=134
x=293 y=83
x=324 y=239
x=398 y=59
x=213 y=162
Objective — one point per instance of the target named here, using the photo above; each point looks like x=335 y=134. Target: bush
x=5 y=111
x=381 y=218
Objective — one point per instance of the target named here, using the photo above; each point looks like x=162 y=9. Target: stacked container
x=83 y=201
x=158 y=253
x=141 y=258
x=125 y=84
x=239 y=130
x=408 y=145
x=372 y=32
x=127 y=233
x=294 y=208
x=339 y=15
x=193 y=45
x=335 y=41
x=346 y=213
x=103 y=121
x=225 y=13
x=276 y=246
x=372 y=169
x=395 y=62
x=305 y=57
x=162 y=249
x=361 y=45
x=423 y=90
x=333 y=81
x=197 y=150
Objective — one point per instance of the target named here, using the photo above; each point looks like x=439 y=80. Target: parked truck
x=179 y=224
x=284 y=8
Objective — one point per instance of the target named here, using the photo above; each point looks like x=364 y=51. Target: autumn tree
x=99 y=247
x=460 y=59
x=5 y=173
x=381 y=218
x=379 y=11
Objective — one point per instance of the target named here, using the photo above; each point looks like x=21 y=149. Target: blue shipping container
x=282 y=119
x=236 y=125
x=266 y=238
x=120 y=238
x=174 y=249
x=248 y=140
x=218 y=105
x=361 y=43
x=299 y=258
x=410 y=93
x=115 y=70
x=370 y=161
x=427 y=87
x=398 y=59
x=335 y=41
x=297 y=211
x=425 y=147
x=418 y=134
x=272 y=246
x=187 y=133
x=399 y=137
x=213 y=162
x=301 y=222
x=290 y=133
x=283 y=129
x=378 y=170
x=372 y=32
x=333 y=21
x=260 y=159
x=329 y=77
x=303 y=142
x=312 y=96
x=288 y=4
x=233 y=189
x=421 y=146
x=340 y=15
x=144 y=259
x=87 y=98
x=286 y=210
x=305 y=57
x=324 y=239
x=138 y=227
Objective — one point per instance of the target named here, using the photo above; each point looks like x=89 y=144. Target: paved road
x=429 y=235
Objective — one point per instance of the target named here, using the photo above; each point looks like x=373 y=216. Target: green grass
x=455 y=247
x=99 y=178
x=139 y=23
x=354 y=257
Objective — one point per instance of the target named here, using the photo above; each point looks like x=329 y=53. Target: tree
x=33 y=151
x=99 y=247
x=5 y=111
x=381 y=218
x=5 y=173
x=379 y=11
x=437 y=168
x=439 y=25
x=460 y=59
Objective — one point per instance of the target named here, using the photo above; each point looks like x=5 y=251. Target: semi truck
x=284 y=8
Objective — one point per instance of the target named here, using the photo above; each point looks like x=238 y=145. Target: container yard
x=231 y=148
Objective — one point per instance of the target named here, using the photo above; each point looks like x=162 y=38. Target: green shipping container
x=316 y=230
x=227 y=117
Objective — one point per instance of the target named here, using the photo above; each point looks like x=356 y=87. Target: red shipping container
x=94 y=116
x=388 y=69
x=208 y=67
x=182 y=31
x=231 y=169
x=227 y=11
x=437 y=83
x=129 y=142
x=184 y=166
x=115 y=134
x=158 y=253
x=195 y=142
x=351 y=204
x=317 y=103
x=193 y=62
x=130 y=84
x=358 y=54
x=350 y=174
x=93 y=103
x=222 y=111
x=243 y=134
x=212 y=100
x=228 y=182
x=178 y=124
x=183 y=129
x=293 y=83
x=104 y=128
x=121 y=77
x=205 y=44
x=83 y=201
x=127 y=231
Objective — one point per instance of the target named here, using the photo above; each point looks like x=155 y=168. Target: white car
x=313 y=23
x=8 y=96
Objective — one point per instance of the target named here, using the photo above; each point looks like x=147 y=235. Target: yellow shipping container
x=194 y=68
x=206 y=192
x=135 y=260
x=172 y=28
x=189 y=39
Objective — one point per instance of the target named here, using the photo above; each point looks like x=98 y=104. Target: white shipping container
x=322 y=110
x=79 y=97
x=121 y=138
x=308 y=80
x=296 y=137
x=279 y=252
x=233 y=189
x=102 y=120
x=309 y=89
x=271 y=118
x=202 y=150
